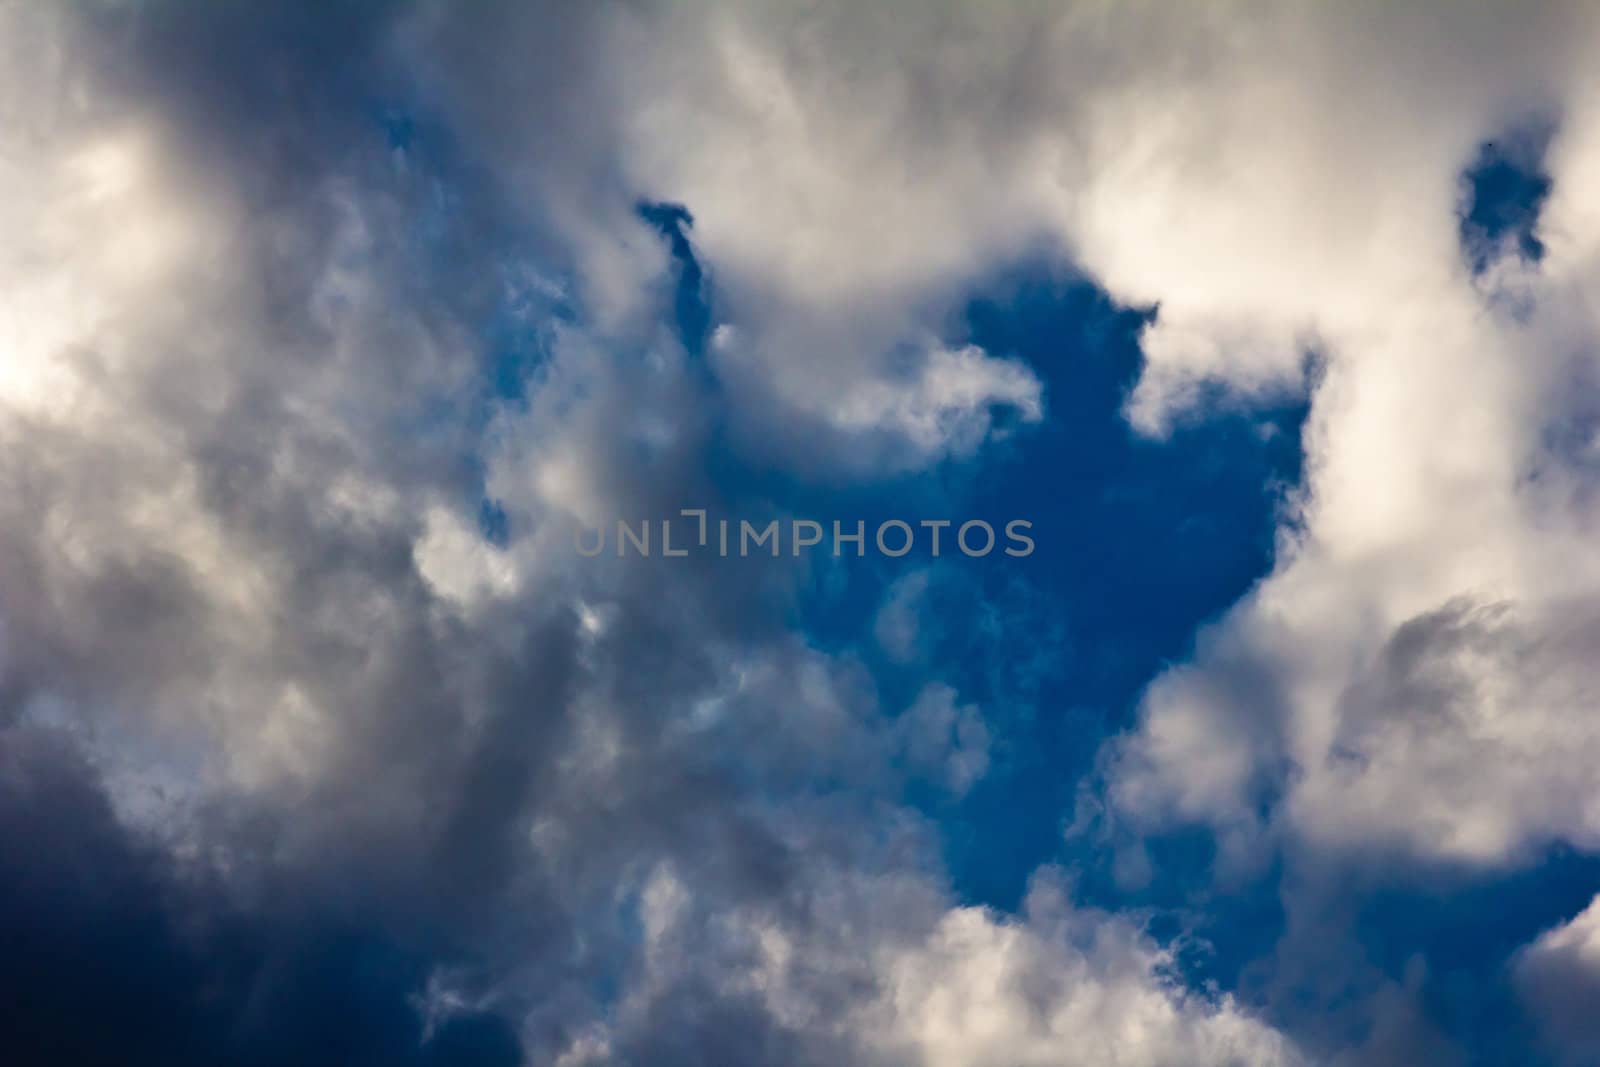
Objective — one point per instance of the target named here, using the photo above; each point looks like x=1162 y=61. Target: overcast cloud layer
x=321 y=329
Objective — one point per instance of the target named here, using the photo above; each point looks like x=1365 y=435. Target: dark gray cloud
x=118 y=954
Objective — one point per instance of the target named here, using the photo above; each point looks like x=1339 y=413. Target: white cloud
x=938 y=986
x=982 y=990
x=459 y=563
x=946 y=406
x=1277 y=184
x=1263 y=178
x=231 y=505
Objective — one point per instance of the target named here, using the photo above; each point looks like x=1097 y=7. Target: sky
x=330 y=334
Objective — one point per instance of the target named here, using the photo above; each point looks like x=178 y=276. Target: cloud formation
x=361 y=784
x=1559 y=978
x=322 y=743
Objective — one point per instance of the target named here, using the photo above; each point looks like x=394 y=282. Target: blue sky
x=322 y=742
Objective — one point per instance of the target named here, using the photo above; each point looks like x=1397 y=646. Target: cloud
x=170 y=967
x=813 y=272
x=849 y=174
x=1421 y=625
x=1284 y=191
x=883 y=972
x=322 y=772
x=630 y=811
x=951 y=741
x=1558 y=976
x=898 y=626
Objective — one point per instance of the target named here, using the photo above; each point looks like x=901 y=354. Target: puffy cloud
x=882 y=972
x=817 y=266
x=849 y=173
x=979 y=989
x=1413 y=673
x=1285 y=188
x=347 y=779
x=1410 y=677
x=1558 y=976
x=244 y=435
